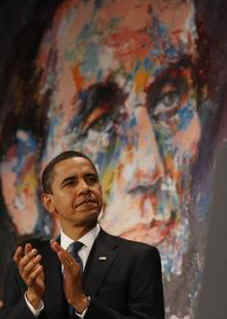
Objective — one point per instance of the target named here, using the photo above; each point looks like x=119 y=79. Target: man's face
x=76 y=196
x=124 y=94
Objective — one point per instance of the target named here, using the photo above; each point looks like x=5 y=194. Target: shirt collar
x=87 y=239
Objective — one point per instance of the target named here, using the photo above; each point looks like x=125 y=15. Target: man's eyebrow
x=174 y=70
x=103 y=93
x=93 y=174
x=172 y=75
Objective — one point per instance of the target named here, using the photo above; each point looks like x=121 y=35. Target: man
x=117 y=279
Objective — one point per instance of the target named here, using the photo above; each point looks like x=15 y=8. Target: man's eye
x=101 y=124
x=167 y=104
x=91 y=179
x=169 y=99
x=100 y=105
x=69 y=183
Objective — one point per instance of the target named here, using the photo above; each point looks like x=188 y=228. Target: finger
x=58 y=250
x=27 y=248
x=32 y=265
x=33 y=275
x=42 y=274
x=55 y=246
x=64 y=257
x=62 y=254
x=18 y=254
x=68 y=261
x=27 y=258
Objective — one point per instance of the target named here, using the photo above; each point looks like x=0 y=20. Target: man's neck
x=76 y=232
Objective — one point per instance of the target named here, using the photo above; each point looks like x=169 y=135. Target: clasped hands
x=31 y=271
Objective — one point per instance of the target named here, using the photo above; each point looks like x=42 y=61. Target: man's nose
x=82 y=186
x=146 y=166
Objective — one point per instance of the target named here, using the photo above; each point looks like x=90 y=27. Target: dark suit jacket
x=125 y=284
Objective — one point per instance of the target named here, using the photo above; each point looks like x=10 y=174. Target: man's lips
x=86 y=202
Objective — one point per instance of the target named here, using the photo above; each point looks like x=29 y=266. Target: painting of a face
x=124 y=93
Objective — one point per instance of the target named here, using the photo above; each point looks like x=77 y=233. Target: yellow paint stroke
x=107 y=181
x=141 y=79
x=29 y=183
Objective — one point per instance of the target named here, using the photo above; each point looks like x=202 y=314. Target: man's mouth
x=86 y=202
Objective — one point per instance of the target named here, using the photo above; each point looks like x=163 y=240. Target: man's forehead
x=71 y=164
x=164 y=10
x=93 y=43
x=86 y=22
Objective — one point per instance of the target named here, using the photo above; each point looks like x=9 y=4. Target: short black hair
x=48 y=173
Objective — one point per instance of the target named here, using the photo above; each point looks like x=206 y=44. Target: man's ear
x=48 y=202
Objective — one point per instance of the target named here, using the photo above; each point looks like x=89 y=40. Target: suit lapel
x=99 y=261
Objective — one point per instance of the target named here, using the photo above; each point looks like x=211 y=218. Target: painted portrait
x=125 y=83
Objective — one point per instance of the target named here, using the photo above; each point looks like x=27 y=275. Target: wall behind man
x=212 y=302
x=213 y=295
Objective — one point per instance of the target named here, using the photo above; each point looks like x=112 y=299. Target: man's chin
x=90 y=218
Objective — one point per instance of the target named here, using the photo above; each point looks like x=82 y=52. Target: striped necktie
x=73 y=249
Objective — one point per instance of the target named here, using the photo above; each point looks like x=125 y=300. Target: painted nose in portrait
x=140 y=163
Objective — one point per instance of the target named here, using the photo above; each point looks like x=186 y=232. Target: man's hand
x=72 y=280
x=31 y=271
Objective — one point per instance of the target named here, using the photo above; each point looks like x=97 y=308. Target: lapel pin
x=102 y=258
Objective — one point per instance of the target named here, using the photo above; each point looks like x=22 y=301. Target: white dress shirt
x=88 y=241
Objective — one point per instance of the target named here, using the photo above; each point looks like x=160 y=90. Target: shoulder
x=132 y=247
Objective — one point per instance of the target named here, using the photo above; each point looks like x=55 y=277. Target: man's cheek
x=186 y=140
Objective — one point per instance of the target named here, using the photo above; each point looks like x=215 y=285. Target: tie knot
x=75 y=247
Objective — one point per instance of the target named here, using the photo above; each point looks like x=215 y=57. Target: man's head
x=48 y=172
x=123 y=89
x=71 y=191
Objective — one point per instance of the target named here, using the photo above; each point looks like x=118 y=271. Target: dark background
x=22 y=24
x=213 y=299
